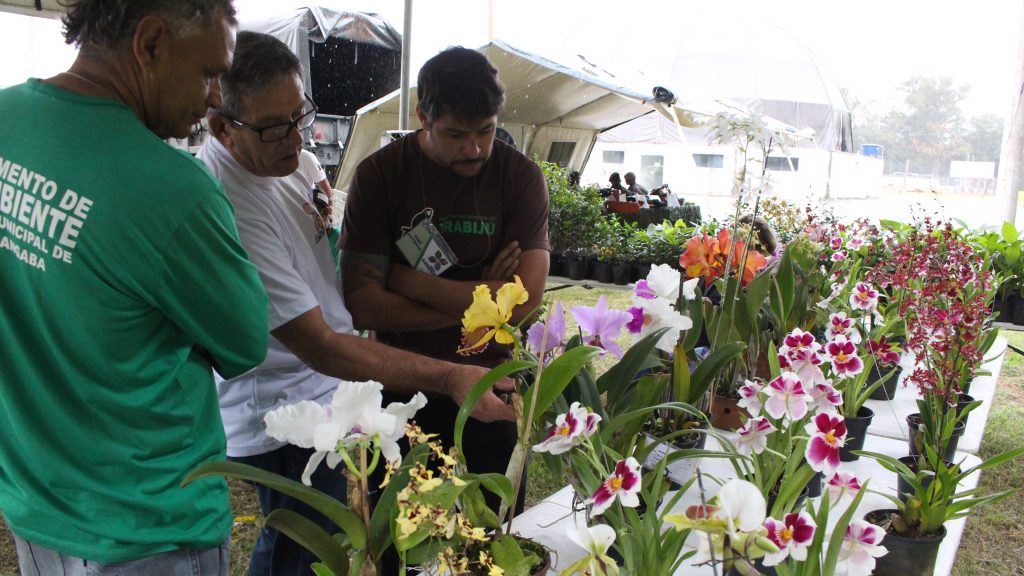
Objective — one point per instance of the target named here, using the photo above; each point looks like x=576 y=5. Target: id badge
x=426 y=250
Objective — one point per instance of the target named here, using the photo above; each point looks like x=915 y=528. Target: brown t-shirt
x=397 y=186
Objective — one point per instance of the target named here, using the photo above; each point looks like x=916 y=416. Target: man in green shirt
x=123 y=284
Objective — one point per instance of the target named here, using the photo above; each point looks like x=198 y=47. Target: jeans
x=35 y=560
x=275 y=555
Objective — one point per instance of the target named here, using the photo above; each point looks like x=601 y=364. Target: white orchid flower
x=354 y=413
x=596 y=540
x=659 y=313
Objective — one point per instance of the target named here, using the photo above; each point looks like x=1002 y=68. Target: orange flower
x=706 y=256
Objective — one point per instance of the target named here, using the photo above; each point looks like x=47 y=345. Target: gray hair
x=259 y=60
x=111 y=23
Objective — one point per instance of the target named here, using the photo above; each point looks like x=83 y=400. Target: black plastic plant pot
x=622 y=274
x=814 y=485
x=856 y=432
x=887 y=391
x=906 y=556
x=602 y=272
x=576 y=268
x=912 y=462
x=916 y=437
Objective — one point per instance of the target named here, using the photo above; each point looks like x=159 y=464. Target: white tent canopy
x=551 y=109
x=728 y=56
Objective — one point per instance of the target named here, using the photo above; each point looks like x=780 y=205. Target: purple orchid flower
x=601 y=325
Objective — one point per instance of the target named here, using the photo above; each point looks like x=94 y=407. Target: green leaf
x=335 y=511
x=556 y=377
x=497 y=483
x=710 y=367
x=1009 y=232
x=511 y=557
x=485 y=384
x=618 y=378
x=312 y=537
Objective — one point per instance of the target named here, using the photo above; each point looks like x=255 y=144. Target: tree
x=933 y=123
x=983 y=139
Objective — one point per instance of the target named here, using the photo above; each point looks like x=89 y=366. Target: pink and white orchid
x=842 y=487
x=793 y=534
x=624 y=484
x=750 y=397
x=786 y=397
x=824 y=397
x=753 y=436
x=828 y=435
x=843 y=355
x=840 y=325
x=861 y=545
x=354 y=414
x=569 y=430
x=864 y=297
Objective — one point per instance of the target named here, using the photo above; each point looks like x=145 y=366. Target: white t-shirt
x=310 y=168
x=283 y=235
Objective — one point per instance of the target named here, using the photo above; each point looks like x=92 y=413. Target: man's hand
x=489 y=408
x=505 y=264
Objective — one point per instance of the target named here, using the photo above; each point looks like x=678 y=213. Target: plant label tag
x=426 y=250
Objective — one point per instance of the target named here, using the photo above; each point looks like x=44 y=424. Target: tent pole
x=403 y=95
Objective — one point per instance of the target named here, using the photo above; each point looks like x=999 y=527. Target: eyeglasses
x=279 y=132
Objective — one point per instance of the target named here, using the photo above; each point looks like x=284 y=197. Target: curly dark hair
x=110 y=23
x=259 y=59
x=460 y=82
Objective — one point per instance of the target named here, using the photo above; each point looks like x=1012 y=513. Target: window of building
x=782 y=164
x=709 y=160
x=561 y=153
x=613 y=156
x=652 y=171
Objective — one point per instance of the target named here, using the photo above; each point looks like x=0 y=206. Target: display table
x=548 y=521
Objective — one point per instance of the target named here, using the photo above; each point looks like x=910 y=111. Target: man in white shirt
x=255 y=153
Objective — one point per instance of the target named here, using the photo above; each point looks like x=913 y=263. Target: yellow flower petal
x=509 y=296
x=482 y=312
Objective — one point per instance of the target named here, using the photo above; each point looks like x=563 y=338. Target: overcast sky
x=868 y=46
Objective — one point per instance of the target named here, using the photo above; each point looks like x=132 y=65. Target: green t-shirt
x=119 y=261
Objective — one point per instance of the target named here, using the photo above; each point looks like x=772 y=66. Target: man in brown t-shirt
x=487 y=200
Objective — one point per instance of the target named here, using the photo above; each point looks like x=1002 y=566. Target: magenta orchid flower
x=861 y=545
x=792 y=535
x=786 y=397
x=799 y=345
x=839 y=256
x=843 y=486
x=828 y=435
x=637 y=323
x=569 y=430
x=885 y=352
x=750 y=397
x=824 y=397
x=601 y=325
x=843 y=355
x=555 y=328
x=624 y=484
x=753 y=436
x=854 y=243
x=840 y=325
x=864 y=297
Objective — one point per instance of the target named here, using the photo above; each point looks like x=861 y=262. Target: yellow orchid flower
x=493 y=315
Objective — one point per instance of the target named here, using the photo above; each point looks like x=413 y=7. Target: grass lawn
x=993 y=542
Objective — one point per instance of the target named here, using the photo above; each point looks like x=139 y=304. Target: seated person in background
x=637 y=191
x=666 y=196
x=616 y=191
